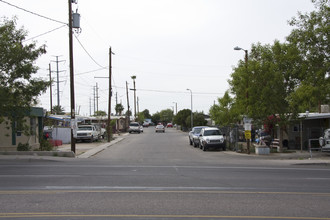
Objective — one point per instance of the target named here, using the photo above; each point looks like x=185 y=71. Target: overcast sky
x=169 y=45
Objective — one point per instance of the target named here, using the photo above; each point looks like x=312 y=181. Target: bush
x=23 y=147
x=45 y=145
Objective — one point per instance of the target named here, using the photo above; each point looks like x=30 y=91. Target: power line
x=43 y=33
x=88 y=53
x=168 y=91
x=23 y=9
x=91 y=71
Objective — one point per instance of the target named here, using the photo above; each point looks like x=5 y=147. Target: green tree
x=181 y=118
x=140 y=118
x=146 y=114
x=18 y=88
x=155 y=117
x=311 y=37
x=58 y=110
x=199 y=119
x=224 y=112
x=119 y=109
x=166 y=115
x=128 y=112
x=267 y=83
x=100 y=113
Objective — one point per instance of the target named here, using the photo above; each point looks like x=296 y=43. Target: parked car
x=160 y=128
x=145 y=124
x=134 y=127
x=211 y=138
x=169 y=125
x=87 y=132
x=325 y=140
x=194 y=135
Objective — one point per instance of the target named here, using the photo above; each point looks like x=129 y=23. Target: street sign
x=248 y=134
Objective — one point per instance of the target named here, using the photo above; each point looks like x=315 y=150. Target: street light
x=247 y=91
x=192 y=120
x=176 y=107
x=134 y=77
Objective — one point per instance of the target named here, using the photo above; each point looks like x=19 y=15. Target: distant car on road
x=211 y=138
x=169 y=125
x=134 y=127
x=145 y=124
x=160 y=128
x=194 y=135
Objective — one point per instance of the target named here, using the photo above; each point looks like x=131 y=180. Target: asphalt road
x=160 y=176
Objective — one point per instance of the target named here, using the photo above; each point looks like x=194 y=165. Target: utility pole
x=58 y=78
x=127 y=114
x=73 y=141
x=97 y=98
x=110 y=94
x=134 y=77
x=137 y=103
x=94 y=99
x=90 y=106
x=50 y=87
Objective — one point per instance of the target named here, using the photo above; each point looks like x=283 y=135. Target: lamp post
x=192 y=120
x=247 y=93
x=134 y=77
x=176 y=107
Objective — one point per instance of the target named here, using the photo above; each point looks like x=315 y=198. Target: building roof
x=311 y=116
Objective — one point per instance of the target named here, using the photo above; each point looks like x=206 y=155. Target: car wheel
x=224 y=148
x=91 y=140
x=204 y=148
x=190 y=142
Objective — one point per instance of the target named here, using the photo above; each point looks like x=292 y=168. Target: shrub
x=45 y=145
x=23 y=147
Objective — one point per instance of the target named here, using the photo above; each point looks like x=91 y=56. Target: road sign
x=247 y=134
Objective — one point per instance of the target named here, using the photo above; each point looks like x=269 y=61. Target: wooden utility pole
x=110 y=94
x=51 y=92
x=127 y=114
x=73 y=141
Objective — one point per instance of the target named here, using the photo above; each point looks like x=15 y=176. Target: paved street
x=160 y=176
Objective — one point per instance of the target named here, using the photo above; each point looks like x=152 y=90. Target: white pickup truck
x=325 y=140
x=87 y=132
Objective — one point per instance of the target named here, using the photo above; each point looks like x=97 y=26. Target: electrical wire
x=167 y=91
x=91 y=71
x=23 y=9
x=88 y=53
x=43 y=33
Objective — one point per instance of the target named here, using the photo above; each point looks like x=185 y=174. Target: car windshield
x=84 y=128
x=197 y=130
x=211 y=132
x=134 y=124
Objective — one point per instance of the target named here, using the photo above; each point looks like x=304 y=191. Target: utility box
x=75 y=20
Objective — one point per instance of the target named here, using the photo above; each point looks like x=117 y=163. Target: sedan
x=160 y=128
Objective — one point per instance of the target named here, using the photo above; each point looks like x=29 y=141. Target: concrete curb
x=98 y=149
x=39 y=153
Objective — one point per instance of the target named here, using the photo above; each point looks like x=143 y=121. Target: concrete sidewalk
x=83 y=150
x=89 y=149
